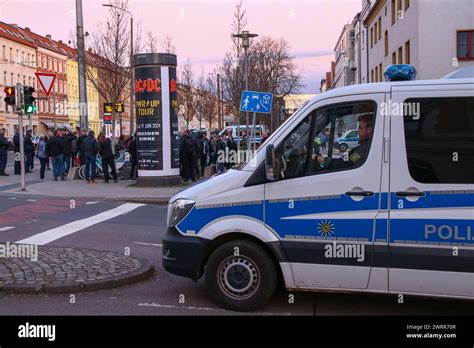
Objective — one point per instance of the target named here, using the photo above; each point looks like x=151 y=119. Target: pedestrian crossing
x=22 y=231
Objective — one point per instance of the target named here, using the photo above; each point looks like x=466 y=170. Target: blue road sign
x=256 y=102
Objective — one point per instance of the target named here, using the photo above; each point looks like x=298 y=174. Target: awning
x=60 y=126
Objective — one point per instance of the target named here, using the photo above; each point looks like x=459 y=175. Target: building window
x=376 y=74
x=4 y=52
x=372 y=75
x=375 y=32
x=380 y=28
x=465 y=45
x=400 y=9
x=380 y=72
x=385 y=10
x=394 y=12
x=394 y=58
x=400 y=58
x=5 y=78
x=385 y=42
x=407 y=4
x=11 y=78
x=407 y=52
x=11 y=54
x=371 y=37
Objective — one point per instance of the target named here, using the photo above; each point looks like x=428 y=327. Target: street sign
x=107 y=119
x=256 y=102
x=46 y=82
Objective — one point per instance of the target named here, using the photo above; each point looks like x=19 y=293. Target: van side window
x=329 y=139
x=439 y=139
x=343 y=137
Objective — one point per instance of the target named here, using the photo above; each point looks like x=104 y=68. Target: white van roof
x=386 y=87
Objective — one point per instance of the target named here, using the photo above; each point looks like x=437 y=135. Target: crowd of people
x=197 y=151
x=63 y=150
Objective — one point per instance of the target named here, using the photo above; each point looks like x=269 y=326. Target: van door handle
x=410 y=194
x=360 y=193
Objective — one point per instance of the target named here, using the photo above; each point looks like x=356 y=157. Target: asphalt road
x=141 y=230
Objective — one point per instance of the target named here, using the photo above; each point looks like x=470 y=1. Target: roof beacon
x=399 y=72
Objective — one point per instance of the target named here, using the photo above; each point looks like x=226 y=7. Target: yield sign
x=46 y=81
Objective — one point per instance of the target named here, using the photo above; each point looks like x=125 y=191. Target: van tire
x=235 y=260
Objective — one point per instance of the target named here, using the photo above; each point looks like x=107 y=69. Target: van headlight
x=178 y=210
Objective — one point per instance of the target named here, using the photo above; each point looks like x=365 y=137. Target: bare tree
x=151 y=43
x=271 y=67
x=186 y=92
x=108 y=65
x=167 y=45
x=209 y=101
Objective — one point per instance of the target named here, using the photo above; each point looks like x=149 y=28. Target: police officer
x=356 y=154
x=4 y=145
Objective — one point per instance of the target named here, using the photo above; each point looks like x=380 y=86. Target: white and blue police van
x=394 y=215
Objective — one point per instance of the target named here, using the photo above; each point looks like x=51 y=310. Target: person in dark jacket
x=199 y=149
x=220 y=153
x=79 y=146
x=89 y=150
x=29 y=152
x=187 y=150
x=66 y=142
x=4 y=146
x=204 y=153
x=132 y=150
x=105 y=151
x=54 y=149
x=232 y=145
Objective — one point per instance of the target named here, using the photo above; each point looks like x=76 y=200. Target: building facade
x=17 y=65
x=345 y=67
x=433 y=36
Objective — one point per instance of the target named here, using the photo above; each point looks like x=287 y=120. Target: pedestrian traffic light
x=29 y=100
x=10 y=95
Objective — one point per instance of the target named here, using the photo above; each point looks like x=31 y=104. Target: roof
x=15 y=34
x=44 y=42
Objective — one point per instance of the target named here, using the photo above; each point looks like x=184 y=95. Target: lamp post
x=131 y=68
x=245 y=36
x=219 y=106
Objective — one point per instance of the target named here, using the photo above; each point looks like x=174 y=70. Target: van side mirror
x=271 y=163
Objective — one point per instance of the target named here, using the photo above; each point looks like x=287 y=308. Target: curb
x=143 y=273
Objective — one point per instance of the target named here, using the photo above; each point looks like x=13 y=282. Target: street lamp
x=131 y=63
x=245 y=36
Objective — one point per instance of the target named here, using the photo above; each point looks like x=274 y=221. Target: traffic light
x=29 y=100
x=10 y=95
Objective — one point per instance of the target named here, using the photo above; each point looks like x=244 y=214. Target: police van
x=393 y=215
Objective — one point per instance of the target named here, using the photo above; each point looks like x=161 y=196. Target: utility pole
x=19 y=109
x=83 y=117
x=132 y=94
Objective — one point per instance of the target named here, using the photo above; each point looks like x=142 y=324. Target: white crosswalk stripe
x=6 y=228
x=75 y=226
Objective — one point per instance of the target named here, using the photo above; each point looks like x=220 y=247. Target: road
x=141 y=230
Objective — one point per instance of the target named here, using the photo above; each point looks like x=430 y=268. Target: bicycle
x=121 y=161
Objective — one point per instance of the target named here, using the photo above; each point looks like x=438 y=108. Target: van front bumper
x=183 y=255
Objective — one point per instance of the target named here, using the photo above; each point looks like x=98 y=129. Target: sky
x=201 y=29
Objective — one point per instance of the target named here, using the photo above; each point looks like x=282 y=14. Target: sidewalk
x=120 y=191
x=66 y=270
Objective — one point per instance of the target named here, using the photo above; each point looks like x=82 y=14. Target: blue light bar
x=399 y=72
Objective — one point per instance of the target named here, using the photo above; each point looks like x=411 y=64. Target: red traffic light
x=9 y=90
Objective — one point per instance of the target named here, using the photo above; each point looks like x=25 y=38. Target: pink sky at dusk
x=201 y=28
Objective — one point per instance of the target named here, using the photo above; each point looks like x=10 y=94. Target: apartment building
x=435 y=36
x=345 y=67
x=17 y=65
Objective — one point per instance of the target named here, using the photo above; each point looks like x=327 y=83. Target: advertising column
x=156 y=118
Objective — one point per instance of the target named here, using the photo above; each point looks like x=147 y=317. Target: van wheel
x=343 y=147
x=240 y=276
